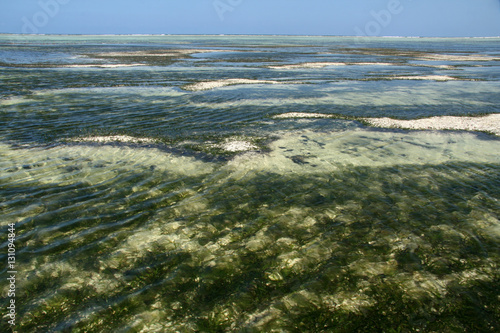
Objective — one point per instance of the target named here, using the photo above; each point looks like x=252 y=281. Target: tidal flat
x=251 y=183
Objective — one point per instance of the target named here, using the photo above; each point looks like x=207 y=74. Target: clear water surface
x=153 y=192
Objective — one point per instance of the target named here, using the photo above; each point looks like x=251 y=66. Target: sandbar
x=114 y=138
x=450 y=57
x=302 y=115
x=425 y=77
x=308 y=65
x=222 y=83
x=326 y=64
x=489 y=123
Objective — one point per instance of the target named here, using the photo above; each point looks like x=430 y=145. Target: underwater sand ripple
x=284 y=219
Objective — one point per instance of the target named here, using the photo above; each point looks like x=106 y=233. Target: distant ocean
x=239 y=184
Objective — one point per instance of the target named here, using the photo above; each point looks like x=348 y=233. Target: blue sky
x=291 y=17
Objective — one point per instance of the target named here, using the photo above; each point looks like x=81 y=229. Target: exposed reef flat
x=309 y=65
x=425 y=77
x=302 y=115
x=489 y=123
x=222 y=83
x=114 y=138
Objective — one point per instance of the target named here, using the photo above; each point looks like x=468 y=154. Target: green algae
x=362 y=249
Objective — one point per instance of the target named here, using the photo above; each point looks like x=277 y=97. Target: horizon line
x=221 y=35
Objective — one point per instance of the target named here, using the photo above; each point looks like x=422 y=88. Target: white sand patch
x=433 y=66
x=102 y=65
x=490 y=123
x=301 y=115
x=442 y=66
x=113 y=138
x=222 y=83
x=236 y=146
x=425 y=77
x=327 y=64
x=451 y=57
x=308 y=65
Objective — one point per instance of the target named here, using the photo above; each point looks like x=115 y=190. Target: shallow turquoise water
x=144 y=205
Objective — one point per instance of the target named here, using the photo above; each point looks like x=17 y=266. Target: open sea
x=233 y=184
